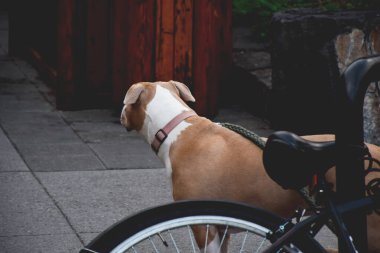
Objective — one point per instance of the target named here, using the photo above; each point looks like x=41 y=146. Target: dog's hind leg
x=210 y=242
x=215 y=245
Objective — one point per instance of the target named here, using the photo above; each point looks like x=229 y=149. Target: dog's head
x=140 y=95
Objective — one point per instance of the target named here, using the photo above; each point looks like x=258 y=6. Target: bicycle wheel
x=169 y=228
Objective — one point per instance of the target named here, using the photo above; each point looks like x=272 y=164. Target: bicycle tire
x=158 y=220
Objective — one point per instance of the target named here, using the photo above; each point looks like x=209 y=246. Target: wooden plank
x=211 y=54
x=139 y=36
x=97 y=65
x=70 y=55
x=220 y=31
x=183 y=53
x=140 y=41
x=201 y=56
x=119 y=40
x=164 y=40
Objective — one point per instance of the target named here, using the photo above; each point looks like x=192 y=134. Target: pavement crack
x=55 y=202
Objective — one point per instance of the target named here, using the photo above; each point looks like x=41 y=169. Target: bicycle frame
x=314 y=223
x=349 y=161
x=350 y=143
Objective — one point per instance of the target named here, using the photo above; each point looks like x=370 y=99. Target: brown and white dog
x=207 y=161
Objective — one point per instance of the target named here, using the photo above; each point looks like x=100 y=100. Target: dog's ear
x=133 y=94
x=184 y=91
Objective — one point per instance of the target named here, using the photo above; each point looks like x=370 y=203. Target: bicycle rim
x=169 y=228
x=174 y=235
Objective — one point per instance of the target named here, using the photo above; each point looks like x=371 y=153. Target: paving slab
x=131 y=154
x=60 y=157
x=28 y=119
x=30 y=72
x=60 y=243
x=54 y=149
x=43 y=135
x=26 y=209
x=10 y=72
x=102 y=132
x=95 y=200
x=24 y=102
x=87 y=237
x=17 y=88
x=91 y=116
x=10 y=159
x=35 y=134
x=64 y=163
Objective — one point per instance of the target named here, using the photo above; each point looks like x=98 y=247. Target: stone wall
x=349 y=47
x=310 y=50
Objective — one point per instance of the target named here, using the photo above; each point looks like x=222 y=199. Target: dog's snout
x=123 y=119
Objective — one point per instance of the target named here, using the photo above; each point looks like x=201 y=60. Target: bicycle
x=169 y=228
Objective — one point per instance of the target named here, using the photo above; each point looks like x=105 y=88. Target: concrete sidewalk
x=67 y=176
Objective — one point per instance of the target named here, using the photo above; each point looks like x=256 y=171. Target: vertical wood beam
x=183 y=41
x=135 y=26
x=212 y=51
x=97 y=45
x=164 y=40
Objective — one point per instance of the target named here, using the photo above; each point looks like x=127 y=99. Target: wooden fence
x=93 y=50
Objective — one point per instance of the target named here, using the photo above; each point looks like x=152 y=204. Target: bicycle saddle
x=291 y=161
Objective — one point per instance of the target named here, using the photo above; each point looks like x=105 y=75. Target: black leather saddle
x=292 y=161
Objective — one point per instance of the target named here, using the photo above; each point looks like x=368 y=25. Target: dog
x=207 y=161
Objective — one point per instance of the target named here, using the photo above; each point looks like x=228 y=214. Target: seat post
x=349 y=140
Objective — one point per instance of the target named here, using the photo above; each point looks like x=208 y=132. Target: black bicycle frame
x=349 y=140
x=333 y=212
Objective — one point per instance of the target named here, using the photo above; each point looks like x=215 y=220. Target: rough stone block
x=311 y=48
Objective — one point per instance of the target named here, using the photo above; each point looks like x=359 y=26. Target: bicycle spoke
x=207 y=228
x=223 y=238
x=261 y=244
x=134 y=250
x=191 y=238
x=154 y=245
x=244 y=240
x=175 y=245
x=163 y=240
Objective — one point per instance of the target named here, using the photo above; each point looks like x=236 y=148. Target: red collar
x=163 y=133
